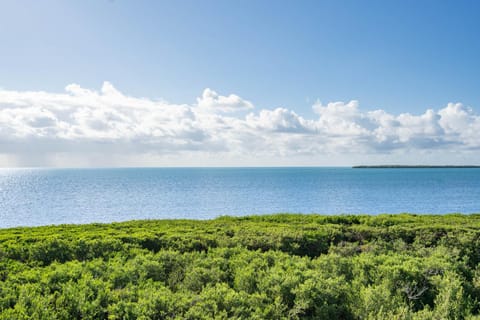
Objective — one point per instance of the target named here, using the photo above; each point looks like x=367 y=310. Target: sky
x=238 y=83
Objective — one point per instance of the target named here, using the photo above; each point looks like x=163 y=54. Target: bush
x=259 y=267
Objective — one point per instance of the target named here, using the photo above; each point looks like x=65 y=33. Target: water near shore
x=30 y=197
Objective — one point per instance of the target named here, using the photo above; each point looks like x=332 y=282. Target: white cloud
x=212 y=101
x=107 y=127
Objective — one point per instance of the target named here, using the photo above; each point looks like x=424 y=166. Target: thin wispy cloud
x=107 y=127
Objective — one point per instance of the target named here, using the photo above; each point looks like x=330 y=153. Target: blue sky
x=397 y=56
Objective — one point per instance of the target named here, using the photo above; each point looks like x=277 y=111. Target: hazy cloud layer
x=106 y=127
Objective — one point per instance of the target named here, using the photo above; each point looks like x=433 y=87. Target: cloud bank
x=84 y=127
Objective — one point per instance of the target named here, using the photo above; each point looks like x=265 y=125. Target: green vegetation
x=259 y=267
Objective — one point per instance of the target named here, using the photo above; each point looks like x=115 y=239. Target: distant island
x=412 y=166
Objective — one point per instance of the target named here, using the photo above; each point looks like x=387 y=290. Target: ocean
x=33 y=197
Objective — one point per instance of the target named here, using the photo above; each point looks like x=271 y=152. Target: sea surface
x=32 y=197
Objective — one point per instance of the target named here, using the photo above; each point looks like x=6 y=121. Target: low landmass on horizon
x=401 y=166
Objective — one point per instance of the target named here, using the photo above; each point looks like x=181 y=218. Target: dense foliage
x=259 y=267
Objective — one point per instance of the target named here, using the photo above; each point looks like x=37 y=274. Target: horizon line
x=385 y=166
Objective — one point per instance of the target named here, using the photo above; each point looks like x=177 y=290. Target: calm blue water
x=52 y=196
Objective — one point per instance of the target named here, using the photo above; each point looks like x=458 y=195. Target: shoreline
x=253 y=217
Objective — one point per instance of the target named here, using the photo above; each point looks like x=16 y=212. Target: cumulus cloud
x=107 y=127
x=212 y=101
